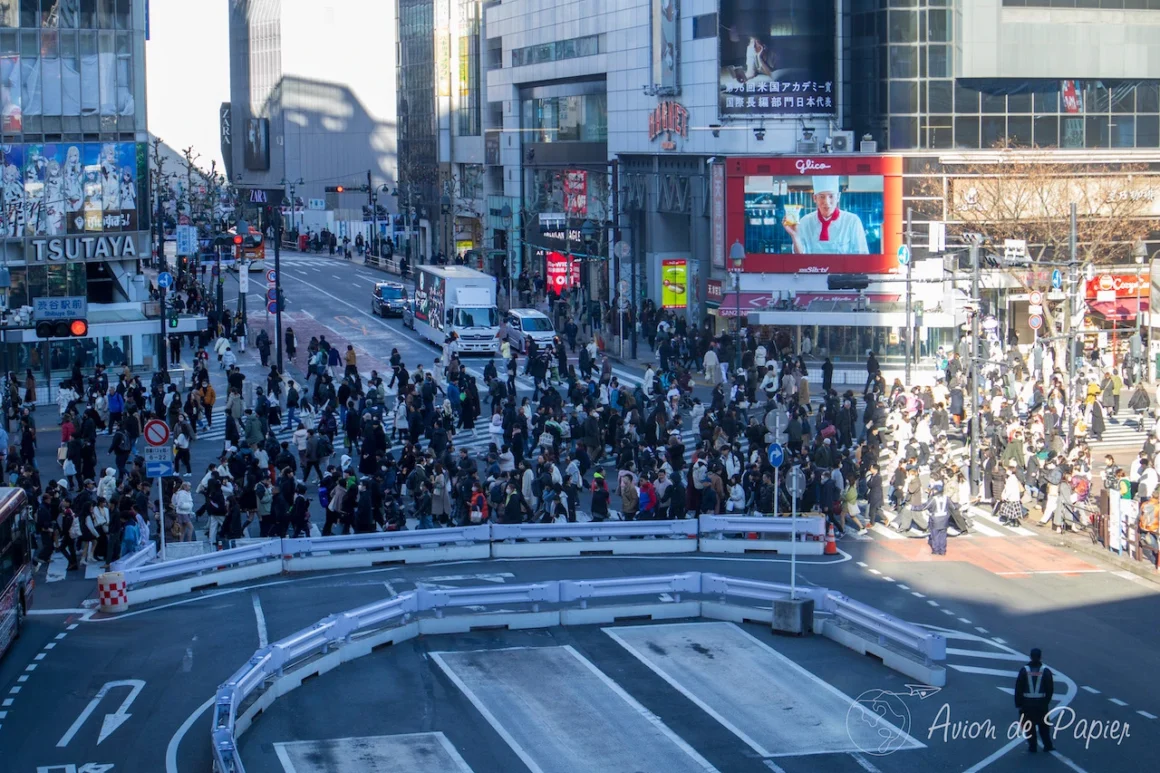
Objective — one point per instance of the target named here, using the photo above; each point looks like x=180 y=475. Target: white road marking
x=862 y=564
x=986 y=654
x=864 y=763
x=964 y=621
x=1117 y=701
x=536 y=688
x=73 y=626
x=1067 y=762
x=175 y=741
x=31 y=667
x=60 y=636
x=885 y=532
x=983 y=671
x=110 y=722
x=39 y=656
x=50 y=645
x=903 y=587
x=947 y=611
x=997 y=640
x=1145 y=714
x=404 y=753
x=874 y=571
x=390 y=588
x=1092 y=690
x=3 y=714
x=981 y=629
x=15 y=690
x=22 y=678
x=696 y=660
x=932 y=602
x=1008 y=690
x=985 y=530
x=888 y=579
x=917 y=595
x=6 y=702
x=263 y=635
x=773 y=766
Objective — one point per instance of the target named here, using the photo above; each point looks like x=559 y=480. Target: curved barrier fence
x=708 y=534
x=284 y=665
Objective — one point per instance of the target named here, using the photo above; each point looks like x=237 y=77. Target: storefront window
x=579 y=118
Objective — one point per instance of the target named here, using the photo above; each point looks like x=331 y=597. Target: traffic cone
x=831 y=543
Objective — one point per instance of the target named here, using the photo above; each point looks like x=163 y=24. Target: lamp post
x=1140 y=254
x=505 y=216
x=736 y=266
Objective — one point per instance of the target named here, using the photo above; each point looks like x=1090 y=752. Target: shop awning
x=1120 y=310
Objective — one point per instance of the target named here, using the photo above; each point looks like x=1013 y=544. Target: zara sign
x=83 y=249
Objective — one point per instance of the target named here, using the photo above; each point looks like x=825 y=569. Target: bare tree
x=1027 y=195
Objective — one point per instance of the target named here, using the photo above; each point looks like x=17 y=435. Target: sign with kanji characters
x=67 y=307
x=776 y=58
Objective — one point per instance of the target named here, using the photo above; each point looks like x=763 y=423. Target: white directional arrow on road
x=111 y=721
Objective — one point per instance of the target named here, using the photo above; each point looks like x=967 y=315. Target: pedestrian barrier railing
x=807 y=527
x=208 y=562
x=282 y=666
x=134 y=560
x=911 y=638
x=258 y=558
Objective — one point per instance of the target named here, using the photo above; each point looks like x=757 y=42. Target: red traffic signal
x=62 y=328
x=238 y=239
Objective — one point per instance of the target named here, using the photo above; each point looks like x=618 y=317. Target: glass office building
x=75 y=219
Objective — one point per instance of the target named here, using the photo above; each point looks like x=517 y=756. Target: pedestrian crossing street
x=1126 y=430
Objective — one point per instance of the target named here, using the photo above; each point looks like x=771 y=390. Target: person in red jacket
x=477 y=504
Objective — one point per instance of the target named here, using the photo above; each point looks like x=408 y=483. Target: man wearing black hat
x=1034 y=687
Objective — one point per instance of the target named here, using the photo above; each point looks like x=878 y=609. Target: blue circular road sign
x=272 y=307
x=164 y=279
x=903 y=255
x=776 y=454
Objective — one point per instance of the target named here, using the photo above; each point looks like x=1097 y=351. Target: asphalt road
x=180 y=650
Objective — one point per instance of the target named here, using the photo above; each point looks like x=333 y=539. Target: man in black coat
x=874 y=496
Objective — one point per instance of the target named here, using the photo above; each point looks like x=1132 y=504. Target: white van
x=523 y=324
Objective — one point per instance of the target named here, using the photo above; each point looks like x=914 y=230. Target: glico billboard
x=815 y=214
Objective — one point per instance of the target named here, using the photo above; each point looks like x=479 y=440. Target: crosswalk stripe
x=985 y=530
x=886 y=532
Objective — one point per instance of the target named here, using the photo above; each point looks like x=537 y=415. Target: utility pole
x=373 y=199
x=973 y=392
x=277 y=212
x=909 y=325
x=159 y=163
x=1073 y=283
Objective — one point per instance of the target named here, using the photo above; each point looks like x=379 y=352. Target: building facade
x=686 y=131
x=76 y=213
x=309 y=106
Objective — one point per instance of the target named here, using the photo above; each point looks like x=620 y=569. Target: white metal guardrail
x=283 y=665
x=134 y=560
x=259 y=558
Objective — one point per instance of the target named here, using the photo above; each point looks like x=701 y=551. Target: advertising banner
x=576 y=192
x=826 y=215
x=776 y=57
x=666 y=37
x=429 y=299
x=257 y=156
x=563 y=272
x=674 y=283
x=717 y=212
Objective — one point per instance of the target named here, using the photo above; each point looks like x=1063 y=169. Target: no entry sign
x=156 y=432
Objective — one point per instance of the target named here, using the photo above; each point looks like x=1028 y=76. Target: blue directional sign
x=1057 y=279
x=776 y=454
x=903 y=255
x=164 y=279
x=159 y=469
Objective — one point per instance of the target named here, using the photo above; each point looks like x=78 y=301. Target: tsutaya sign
x=668 y=118
x=81 y=248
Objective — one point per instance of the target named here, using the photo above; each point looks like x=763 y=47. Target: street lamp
x=1140 y=254
x=736 y=266
x=293 y=184
x=505 y=216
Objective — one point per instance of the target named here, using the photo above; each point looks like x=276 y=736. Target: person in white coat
x=649 y=381
x=712 y=365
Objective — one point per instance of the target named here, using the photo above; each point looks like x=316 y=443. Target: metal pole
x=1073 y=277
x=374 y=212
x=278 y=292
x=793 y=548
x=974 y=391
x=737 y=330
x=909 y=326
x=634 y=305
x=220 y=282
x=161 y=516
x=163 y=348
x=776 y=489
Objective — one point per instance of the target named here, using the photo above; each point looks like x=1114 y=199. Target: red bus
x=16 y=581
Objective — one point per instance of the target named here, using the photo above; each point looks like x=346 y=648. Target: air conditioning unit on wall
x=842 y=142
x=868 y=145
x=807 y=147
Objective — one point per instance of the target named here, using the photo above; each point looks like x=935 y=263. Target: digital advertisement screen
x=674 y=283
x=824 y=215
x=776 y=57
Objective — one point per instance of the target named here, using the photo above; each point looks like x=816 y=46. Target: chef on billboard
x=827 y=230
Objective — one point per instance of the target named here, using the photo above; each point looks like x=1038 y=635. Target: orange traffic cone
x=831 y=543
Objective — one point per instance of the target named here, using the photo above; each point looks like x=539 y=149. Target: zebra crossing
x=1127 y=430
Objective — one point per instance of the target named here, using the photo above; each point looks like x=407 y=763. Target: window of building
x=705 y=26
x=558 y=50
x=468 y=110
x=580 y=118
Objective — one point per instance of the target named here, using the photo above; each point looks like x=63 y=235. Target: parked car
x=389 y=299
x=523 y=324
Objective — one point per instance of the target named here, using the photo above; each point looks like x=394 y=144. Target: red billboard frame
x=889 y=167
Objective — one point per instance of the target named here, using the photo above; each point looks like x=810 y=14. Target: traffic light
x=335 y=189
x=173 y=319
x=847 y=281
x=62 y=328
x=238 y=240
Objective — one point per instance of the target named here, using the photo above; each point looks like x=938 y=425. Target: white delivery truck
x=456 y=299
